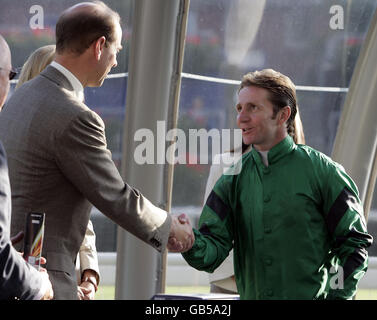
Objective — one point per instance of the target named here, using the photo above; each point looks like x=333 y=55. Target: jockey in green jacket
x=292 y=214
x=296 y=236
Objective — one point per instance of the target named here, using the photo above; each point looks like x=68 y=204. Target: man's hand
x=88 y=285
x=49 y=293
x=181 y=238
x=85 y=291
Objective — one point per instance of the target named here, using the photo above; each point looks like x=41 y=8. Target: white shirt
x=76 y=84
x=264 y=155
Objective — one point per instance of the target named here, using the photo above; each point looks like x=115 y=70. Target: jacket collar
x=277 y=152
x=76 y=84
x=57 y=77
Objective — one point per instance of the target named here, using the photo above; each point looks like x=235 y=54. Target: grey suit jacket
x=59 y=164
x=17 y=278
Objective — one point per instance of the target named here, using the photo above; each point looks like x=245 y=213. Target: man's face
x=109 y=56
x=5 y=65
x=256 y=118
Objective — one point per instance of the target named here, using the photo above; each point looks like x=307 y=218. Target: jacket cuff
x=160 y=238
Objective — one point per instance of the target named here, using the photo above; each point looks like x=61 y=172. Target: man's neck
x=78 y=89
x=74 y=66
x=269 y=145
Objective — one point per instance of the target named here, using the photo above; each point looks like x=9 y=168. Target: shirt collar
x=276 y=152
x=78 y=89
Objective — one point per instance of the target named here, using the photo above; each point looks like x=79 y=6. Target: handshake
x=181 y=238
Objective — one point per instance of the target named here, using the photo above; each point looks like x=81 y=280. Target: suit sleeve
x=347 y=228
x=83 y=157
x=17 y=278
x=214 y=239
x=88 y=252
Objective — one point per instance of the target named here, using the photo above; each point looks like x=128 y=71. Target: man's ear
x=98 y=47
x=284 y=114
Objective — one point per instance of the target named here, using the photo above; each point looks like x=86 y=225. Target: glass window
x=27 y=26
x=313 y=42
x=203 y=105
x=302 y=39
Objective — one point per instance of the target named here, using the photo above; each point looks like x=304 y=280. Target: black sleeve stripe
x=217 y=205
x=355 y=260
x=338 y=209
x=204 y=230
x=365 y=237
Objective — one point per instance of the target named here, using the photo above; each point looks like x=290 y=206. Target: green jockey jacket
x=297 y=227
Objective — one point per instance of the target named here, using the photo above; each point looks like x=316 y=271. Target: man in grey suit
x=17 y=278
x=58 y=159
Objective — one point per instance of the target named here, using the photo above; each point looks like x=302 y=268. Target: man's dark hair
x=282 y=92
x=76 y=31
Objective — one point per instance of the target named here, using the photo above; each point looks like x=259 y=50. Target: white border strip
x=322 y=89
x=236 y=82
x=211 y=79
x=117 y=75
x=232 y=82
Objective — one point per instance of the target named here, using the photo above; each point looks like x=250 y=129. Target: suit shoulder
x=88 y=118
x=56 y=102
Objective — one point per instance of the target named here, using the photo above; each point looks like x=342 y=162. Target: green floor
x=107 y=292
